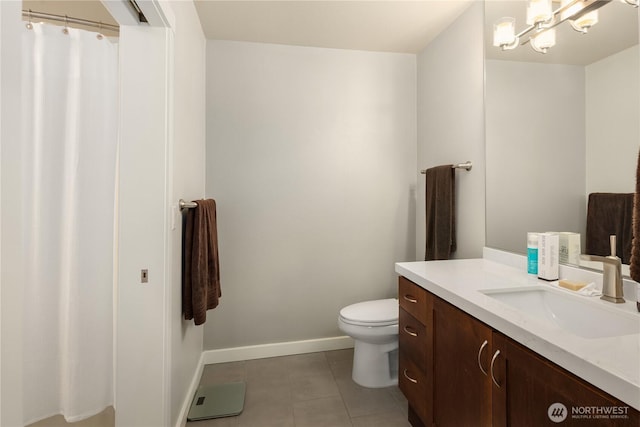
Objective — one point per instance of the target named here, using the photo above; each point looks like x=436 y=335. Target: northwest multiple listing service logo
x=558 y=412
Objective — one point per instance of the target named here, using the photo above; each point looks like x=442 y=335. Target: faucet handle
x=612 y=244
x=611 y=276
x=609 y=259
x=603 y=259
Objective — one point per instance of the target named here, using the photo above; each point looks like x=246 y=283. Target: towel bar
x=187 y=205
x=466 y=165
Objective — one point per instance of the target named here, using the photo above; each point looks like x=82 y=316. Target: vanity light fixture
x=542 y=20
x=542 y=41
x=504 y=33
x=539 y=12
x=581 y=23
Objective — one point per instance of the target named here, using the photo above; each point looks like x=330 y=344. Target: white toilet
x=374 y=327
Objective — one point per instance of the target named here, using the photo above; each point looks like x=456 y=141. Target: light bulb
x=539 y=12
x=504 y=32
x=585 y=22
x=542 y=41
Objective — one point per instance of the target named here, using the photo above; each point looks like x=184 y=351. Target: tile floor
x=306 y=390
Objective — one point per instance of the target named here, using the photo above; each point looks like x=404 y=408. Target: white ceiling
x=388 y=26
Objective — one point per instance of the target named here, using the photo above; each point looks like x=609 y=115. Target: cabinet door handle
x=410 y=298
x=408 y=330
x=484 y=344
x=493 y=361
x=409 y=378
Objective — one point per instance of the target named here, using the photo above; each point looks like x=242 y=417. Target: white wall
x=188 y=178
x=161 y=160
x=451 y=125
x=142 y=316
x=311 y=158
x=535 y=151
x=11 y=298
x=613 y=128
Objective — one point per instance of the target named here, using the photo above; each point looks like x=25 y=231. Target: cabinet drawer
x=412 y=336
x=412 y=382
x=413 y=299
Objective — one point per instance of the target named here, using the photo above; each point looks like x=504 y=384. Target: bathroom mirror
x=560 y=125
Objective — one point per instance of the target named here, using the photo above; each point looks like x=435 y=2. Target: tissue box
x=570 y=248
x=548 y=250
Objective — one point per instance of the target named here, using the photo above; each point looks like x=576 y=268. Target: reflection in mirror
x=560 y=125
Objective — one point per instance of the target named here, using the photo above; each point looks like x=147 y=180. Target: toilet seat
x=383 y=312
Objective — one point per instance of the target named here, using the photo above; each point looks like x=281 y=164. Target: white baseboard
x=276 y=349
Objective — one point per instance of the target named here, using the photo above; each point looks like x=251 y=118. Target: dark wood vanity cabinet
x=457 y=371
x=461 y=354
x=415 y=331
x=527 y=385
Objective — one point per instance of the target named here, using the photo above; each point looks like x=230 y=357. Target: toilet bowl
x=374 y=327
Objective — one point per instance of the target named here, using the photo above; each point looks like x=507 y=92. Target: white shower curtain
x=70 y=136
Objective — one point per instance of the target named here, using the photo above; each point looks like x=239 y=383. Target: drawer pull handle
x=411 y=299
x=408 y=330
x=409 y=378
x=493 y=360
x=484 y=344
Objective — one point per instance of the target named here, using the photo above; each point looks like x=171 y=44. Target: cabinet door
x=462 y=389
x=530 y=384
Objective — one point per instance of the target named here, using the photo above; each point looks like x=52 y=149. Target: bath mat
x=217 y=401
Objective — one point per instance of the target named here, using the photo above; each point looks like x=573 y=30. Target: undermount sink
x=573 y=313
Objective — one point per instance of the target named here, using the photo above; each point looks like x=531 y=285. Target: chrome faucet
x=612 y=273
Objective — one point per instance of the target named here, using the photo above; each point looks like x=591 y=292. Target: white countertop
x=610 y=363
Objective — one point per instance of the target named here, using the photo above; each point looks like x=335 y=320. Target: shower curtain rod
x=69 y=20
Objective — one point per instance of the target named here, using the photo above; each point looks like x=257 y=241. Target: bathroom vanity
x=469 y=355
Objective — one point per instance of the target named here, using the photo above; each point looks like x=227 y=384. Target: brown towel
x=609 y=214
x=200 y=270
x=635 y=245
x=441 y=212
